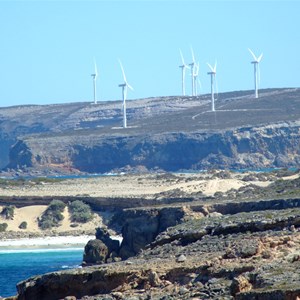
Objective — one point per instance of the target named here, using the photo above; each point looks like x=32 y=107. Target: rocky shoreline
x=242 y=256
x=234 y=245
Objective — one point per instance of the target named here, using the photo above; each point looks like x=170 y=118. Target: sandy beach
x=47 y=241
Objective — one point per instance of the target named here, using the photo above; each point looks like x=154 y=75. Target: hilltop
x=168 y=133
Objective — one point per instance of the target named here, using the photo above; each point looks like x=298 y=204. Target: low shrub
x=52 y=215
x=3 y=227
x=23 y=225
x=8 y=212
x=80 y=212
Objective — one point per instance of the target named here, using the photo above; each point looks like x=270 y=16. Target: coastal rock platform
x=238 y=244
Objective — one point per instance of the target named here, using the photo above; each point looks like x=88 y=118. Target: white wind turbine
x=124 y=87
x=196 y=80
x=95 y=75
x=192 y=65
x=183 y=67
x=212 y=73
x=255 y=62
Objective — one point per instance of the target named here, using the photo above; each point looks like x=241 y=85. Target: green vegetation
x=8 y=212
x=21 y=181
x=52 y=215
x=41 y=180
x=23 y=225
x=80 y=212
x=12 y=182
x=3 y=227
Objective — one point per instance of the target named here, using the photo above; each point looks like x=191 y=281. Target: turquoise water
x=17 y=265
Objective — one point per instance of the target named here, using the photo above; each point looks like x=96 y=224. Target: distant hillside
x=169 y=133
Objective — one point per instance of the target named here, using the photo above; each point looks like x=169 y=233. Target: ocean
x=17 y=265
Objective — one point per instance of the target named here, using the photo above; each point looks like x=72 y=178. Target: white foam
x=47 y=241
x=38 y=250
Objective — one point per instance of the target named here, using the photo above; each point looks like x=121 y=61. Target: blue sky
x=48 y=47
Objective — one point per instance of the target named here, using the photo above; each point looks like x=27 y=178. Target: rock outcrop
x=141 y=226
x=206 y=258
x=95 y=252
x=102 y=249
x=252 y=148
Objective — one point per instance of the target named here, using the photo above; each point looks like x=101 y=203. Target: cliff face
x=172 y=134
x=254 y=147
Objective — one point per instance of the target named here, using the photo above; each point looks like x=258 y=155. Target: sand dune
x=30 y=214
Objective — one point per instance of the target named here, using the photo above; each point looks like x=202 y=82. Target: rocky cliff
x=21 y=121
x=172 y=134
x=253 y=147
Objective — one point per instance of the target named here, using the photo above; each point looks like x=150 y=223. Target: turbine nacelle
x=124 y=77
x=184 y=65
x=212 y=69
x=256 y=59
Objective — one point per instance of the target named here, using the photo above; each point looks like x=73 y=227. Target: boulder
x=103 y=235
x=95 y=252
x=240 y=284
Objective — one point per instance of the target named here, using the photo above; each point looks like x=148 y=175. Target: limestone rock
x=103 y=235
x=181 y=258
x=154 y=279
x=95 y=252
x=240 y=284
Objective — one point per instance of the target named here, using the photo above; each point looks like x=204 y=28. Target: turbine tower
x=192 y=65
x=95 y=75
x=124 y=87
x=255 y=62
x=212 y=73
x=183 y=67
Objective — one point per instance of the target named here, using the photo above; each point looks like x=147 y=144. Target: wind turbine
x=212 y=73
x=95 y=75
x=183 y=67
x=124 y=87
x=255 y=62
x=195 y=77
x=192 y=65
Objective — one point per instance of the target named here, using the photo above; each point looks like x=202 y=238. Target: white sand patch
x=30 y=214
x=47 y=241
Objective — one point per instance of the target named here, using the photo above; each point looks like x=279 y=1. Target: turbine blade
x=254 y=57
x=124 y=77
x=211 y=68
x=96 y=70
x=260 y=57
x=199 y=82
x=129 y=86
x=182 y=58
x=193 y=56
x=197 y=69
